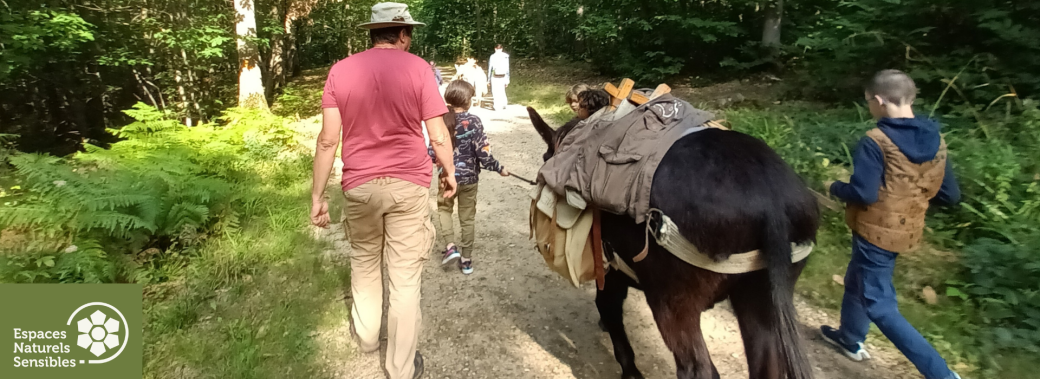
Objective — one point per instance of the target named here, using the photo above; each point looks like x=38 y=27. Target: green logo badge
x=59 y=330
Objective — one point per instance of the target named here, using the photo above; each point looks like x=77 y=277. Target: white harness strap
x=670 y=239
x=619 y=264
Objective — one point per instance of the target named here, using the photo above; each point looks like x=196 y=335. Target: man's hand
x=320 y=213
x=504 y=172
x=443 y=151
x=448 y=186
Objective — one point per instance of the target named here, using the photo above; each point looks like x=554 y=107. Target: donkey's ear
x=547 y=133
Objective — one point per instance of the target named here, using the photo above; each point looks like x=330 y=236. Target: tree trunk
x=179 y=79
x=771 y=29
x=291 y=56
x=771 y=32
x=541 y=15
x=579 y=37
x=276 y=64
x=479 y=22
x=250 y=78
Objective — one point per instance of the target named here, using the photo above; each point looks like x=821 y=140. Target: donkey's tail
x=777 y=252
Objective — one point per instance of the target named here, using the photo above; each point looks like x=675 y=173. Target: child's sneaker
x=466 y=266
x=450 y=254
x=854 y=351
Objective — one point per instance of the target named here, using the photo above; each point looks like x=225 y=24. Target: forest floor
x=514 y=318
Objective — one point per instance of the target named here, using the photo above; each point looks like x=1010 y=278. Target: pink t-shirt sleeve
x=432 y=102
x=328 y=98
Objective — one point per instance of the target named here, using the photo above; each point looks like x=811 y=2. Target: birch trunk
x=771 y=29
x=250 y=79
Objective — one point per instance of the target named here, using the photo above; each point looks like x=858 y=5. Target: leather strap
x=646 y=244
x=597 y=248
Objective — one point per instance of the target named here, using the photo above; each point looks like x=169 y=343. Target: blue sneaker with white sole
x=855 y=351
x=450 y=254
x=466 y=266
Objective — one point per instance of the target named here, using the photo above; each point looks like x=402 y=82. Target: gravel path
x=513 y=318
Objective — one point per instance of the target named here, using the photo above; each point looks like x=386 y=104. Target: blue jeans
x=870 y=296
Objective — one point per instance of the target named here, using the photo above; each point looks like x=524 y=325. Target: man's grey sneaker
x=450 y=254
x=466 y=266
x=855 y=351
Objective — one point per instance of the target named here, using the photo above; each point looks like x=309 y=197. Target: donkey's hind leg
x=750 y=298
x=679 y=321
x=610 y=303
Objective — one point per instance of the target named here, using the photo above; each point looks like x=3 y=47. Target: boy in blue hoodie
x=900 y=167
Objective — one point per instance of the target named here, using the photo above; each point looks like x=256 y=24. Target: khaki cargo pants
x=467 y=199
x=388 y=219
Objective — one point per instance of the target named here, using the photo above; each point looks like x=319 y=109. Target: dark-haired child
x=472 y=152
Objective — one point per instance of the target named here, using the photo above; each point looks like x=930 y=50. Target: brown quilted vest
x=896 y=221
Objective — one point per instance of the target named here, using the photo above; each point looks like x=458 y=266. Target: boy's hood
x=918 y=138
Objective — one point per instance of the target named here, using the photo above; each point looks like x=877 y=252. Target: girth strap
x=668 y=237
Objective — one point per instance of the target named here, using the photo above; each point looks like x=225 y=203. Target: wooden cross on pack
x=624 y=92
x=619 y=94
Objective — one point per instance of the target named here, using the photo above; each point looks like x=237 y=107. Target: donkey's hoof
x=632 y=375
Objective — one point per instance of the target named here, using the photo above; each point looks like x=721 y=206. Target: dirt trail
x=513 y=318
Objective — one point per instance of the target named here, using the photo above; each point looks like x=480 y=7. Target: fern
x=163 y=186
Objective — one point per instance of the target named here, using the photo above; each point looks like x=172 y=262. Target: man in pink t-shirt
x=377 y=100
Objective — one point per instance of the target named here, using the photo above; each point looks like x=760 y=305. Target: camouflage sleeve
x=487 y=161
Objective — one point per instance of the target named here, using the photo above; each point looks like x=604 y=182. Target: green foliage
x=302 y=97
x=39 y=32
x=161 y=191
x=1002 y=285
x=69 y=68
x=645 y=40
x=979 y=46
x=331 y=31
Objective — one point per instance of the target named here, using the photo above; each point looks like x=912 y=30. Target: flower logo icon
x=98 y=333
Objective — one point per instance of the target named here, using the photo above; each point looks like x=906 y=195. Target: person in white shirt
x=498 y=74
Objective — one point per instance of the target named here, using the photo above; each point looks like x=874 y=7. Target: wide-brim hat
x=385 y=15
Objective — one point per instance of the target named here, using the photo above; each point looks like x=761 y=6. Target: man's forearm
x=325 y=152
x=445 y=157
x=441 y=144
x=324 y=156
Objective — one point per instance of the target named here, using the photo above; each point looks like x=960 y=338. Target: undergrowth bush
x=298 y=101
x=980 y=49
x=136 y=212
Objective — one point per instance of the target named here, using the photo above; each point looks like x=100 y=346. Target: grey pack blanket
x=610 y=158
